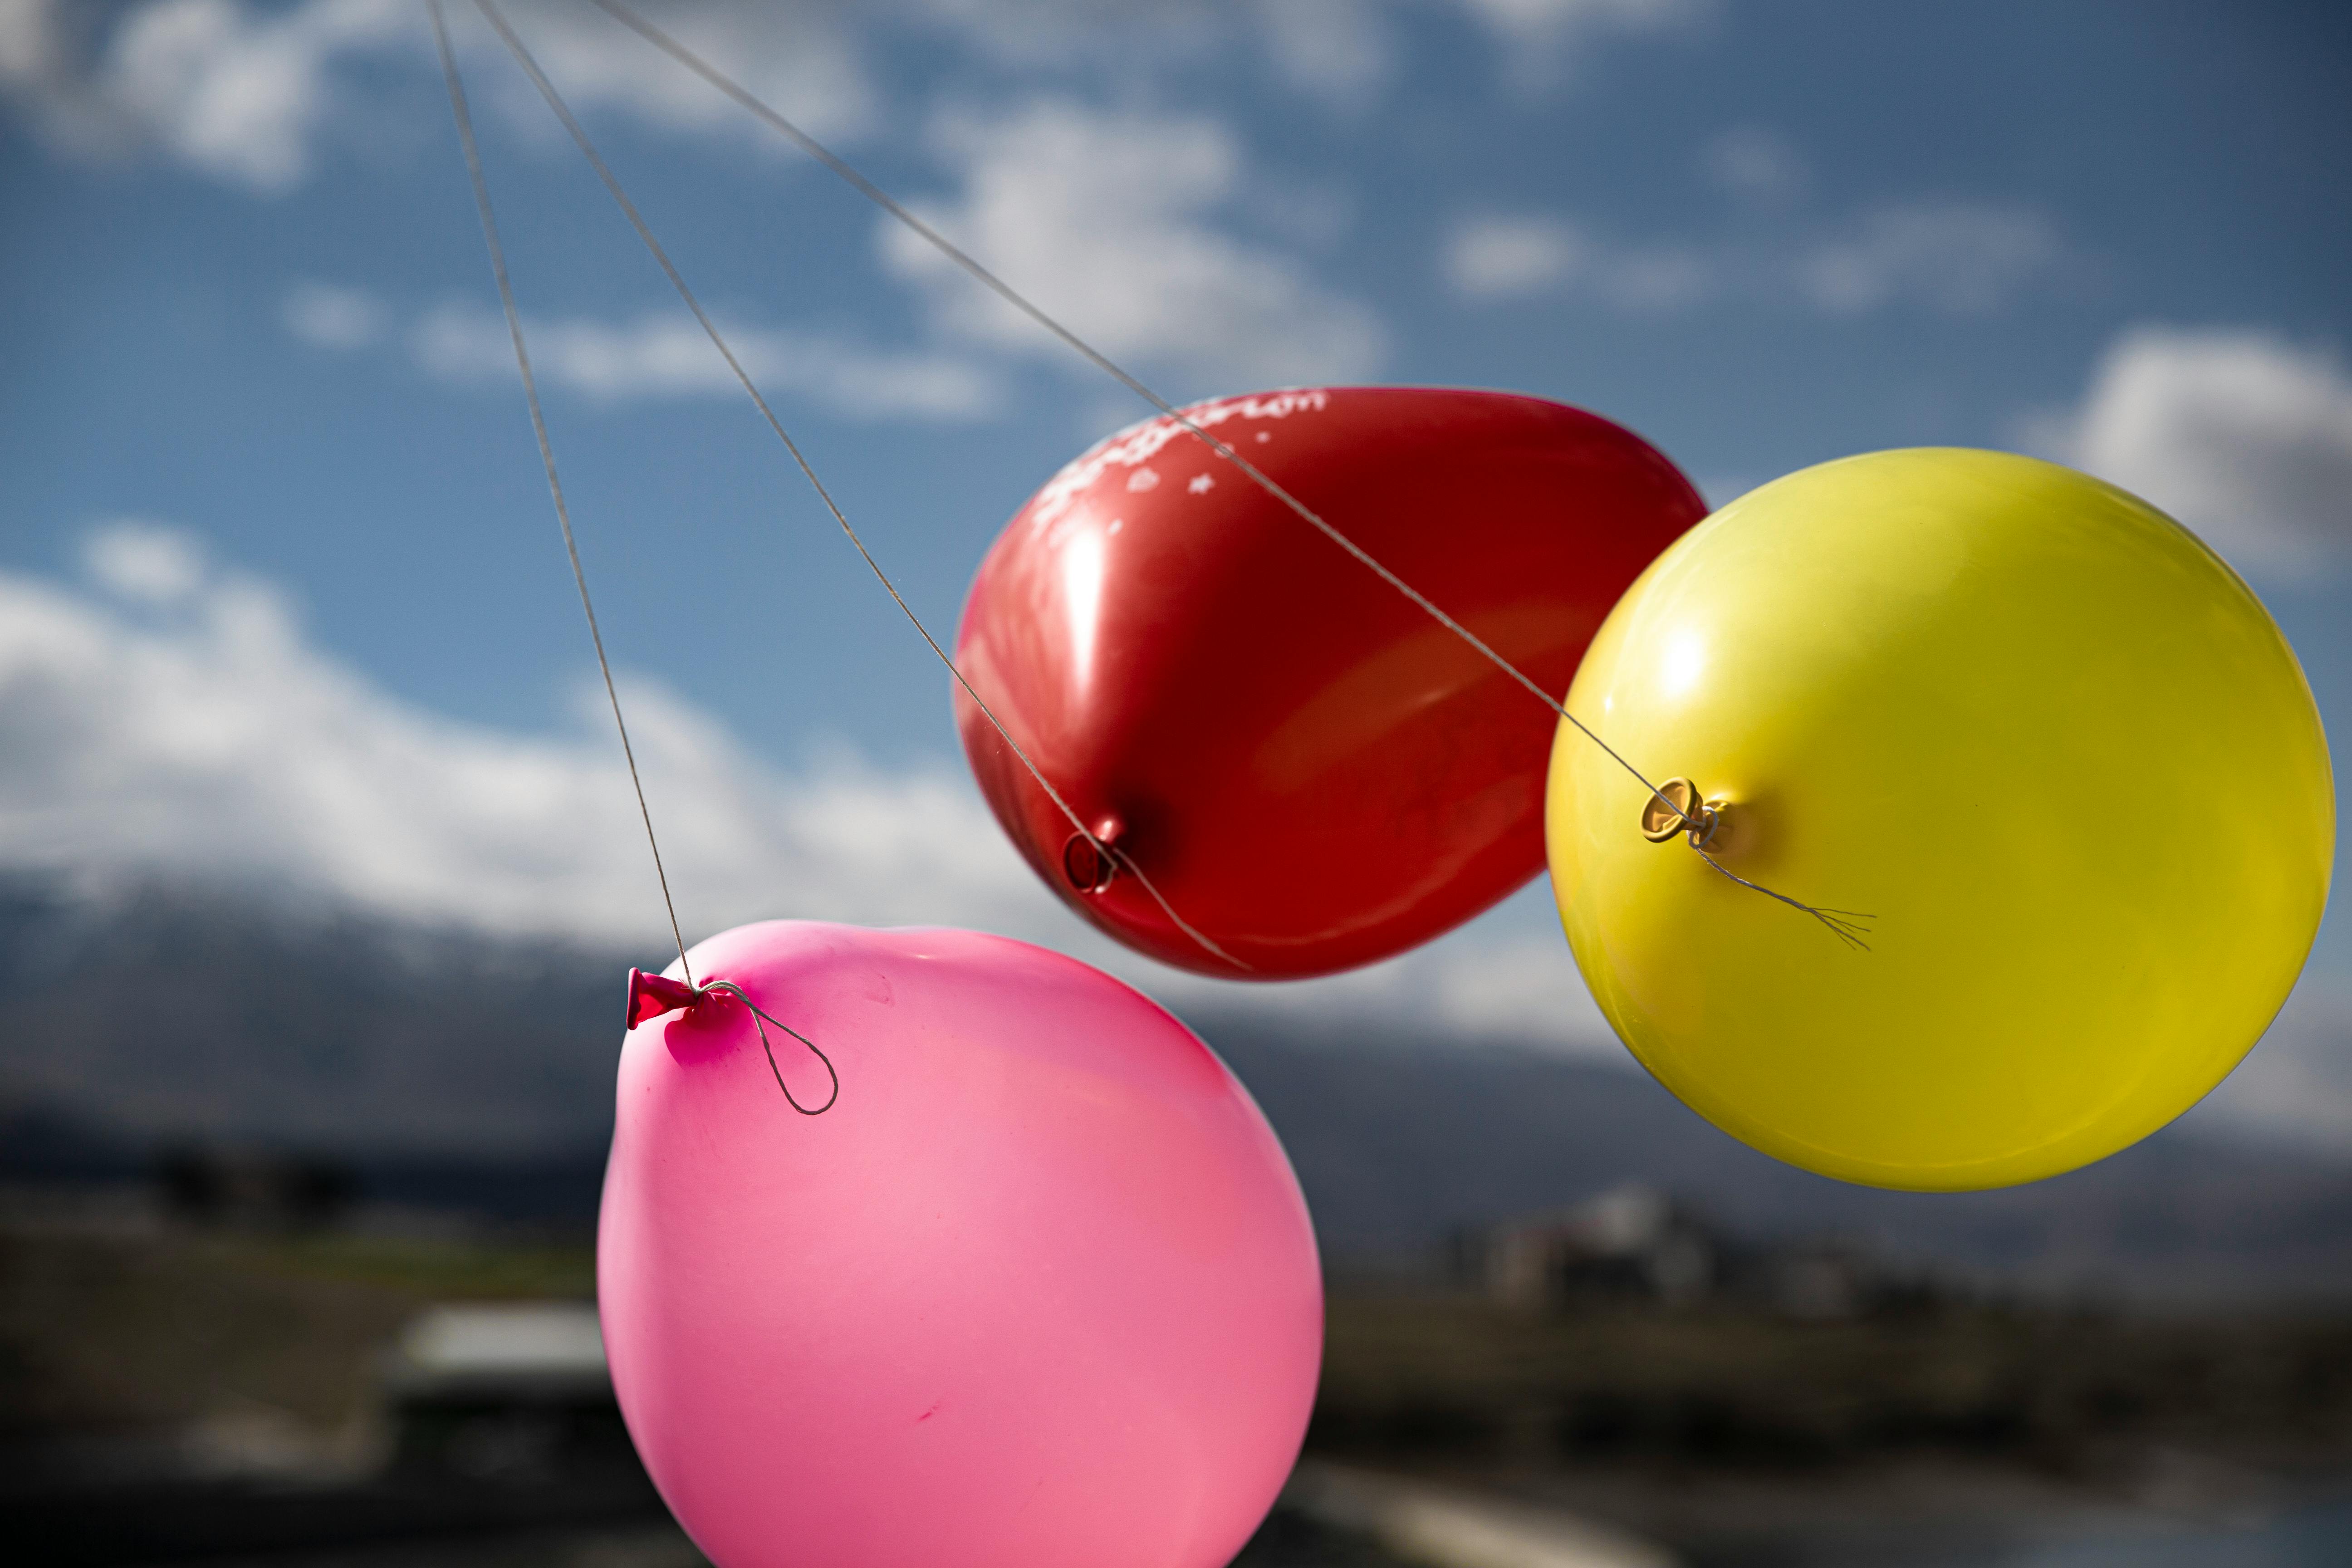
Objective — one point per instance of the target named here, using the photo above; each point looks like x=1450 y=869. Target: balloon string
x=760 y=1021
x=539 y=79
x=465 y=117
x=1849 y=926
x=1011 y=296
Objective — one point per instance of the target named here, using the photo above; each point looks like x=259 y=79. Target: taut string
x=1841 y=922
x=645 y=233
x=761 y=1019
x=457 y=107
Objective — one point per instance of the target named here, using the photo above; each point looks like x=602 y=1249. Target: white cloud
x=253 y=93
x=235 y=91
x=1962 y=258
x=666 y=355
x=2242 y=435
x=1337 y=51
x=213 y=739
x=2297 y=1083
x=1340 y=51
x=247 y=93
x=1755 y=165
x=1504 y=258
x=1106 y=221
x=145 y=562
x=802 y=55
x=1032 y=35
x=1958 y=259
x=1722 y=490
x=1523 y=987
x=1542 y=35
x=328 y=317
x=28 y=41
x=40 y=47
x=174 y=718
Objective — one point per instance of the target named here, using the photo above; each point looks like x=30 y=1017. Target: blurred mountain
x=165 y=1013
x=459 y=1071
x=1400 y=1145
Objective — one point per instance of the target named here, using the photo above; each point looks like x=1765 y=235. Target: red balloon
x=1312 y=772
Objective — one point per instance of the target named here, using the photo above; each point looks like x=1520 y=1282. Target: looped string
x=872 y=193
x=760 y=1021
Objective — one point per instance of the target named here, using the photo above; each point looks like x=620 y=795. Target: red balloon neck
x=652 y=995
x=1086 y=859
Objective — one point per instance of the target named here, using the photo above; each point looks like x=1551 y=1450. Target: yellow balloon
x=2051 y=746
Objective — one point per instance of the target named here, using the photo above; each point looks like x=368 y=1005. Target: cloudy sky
x=281 y=599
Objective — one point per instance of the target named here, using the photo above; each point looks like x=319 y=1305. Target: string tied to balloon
x=1091 y=859
x=1088 y=860
x=650 y=995
x=1678 y=808
x=1108 y=856
x=657 y=996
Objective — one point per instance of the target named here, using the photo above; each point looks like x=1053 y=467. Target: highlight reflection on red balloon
x=1311 y=771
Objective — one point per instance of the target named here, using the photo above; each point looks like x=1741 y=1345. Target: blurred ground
x=178 y=1393
x=1937 y=1432
x=112 y=1332
x=170 y=1392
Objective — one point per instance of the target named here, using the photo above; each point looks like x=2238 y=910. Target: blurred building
x=254 y=1188
x=1637 y=1245
x=1631 y=1242
x=513 y=1392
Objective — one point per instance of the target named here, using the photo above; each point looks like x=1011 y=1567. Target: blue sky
x=277 y=544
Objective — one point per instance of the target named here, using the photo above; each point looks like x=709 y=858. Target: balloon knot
x=655 y=995
x=1088 y=860
x=652 y=995
x=1676 y=807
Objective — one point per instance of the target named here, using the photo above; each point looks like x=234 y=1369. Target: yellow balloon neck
x=1676 y=808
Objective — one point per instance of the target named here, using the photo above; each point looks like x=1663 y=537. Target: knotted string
x=1839 y=921
x=760 y=1021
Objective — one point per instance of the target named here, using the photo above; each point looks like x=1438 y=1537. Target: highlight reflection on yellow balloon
x=2053 y=745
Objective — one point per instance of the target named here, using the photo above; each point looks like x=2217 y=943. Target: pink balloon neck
x=655 y=995
x=651 y=995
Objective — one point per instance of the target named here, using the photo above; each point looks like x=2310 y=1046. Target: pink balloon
x=1039 y=1290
